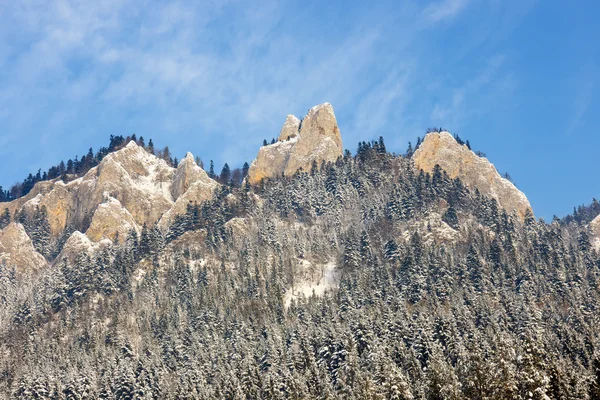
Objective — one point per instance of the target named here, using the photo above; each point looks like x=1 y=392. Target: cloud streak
x=444 y=10
x=214 y=73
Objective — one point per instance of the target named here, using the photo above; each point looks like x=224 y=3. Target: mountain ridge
x=132 y=188
x=365 y=277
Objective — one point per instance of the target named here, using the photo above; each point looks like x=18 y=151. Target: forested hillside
x=437 y=293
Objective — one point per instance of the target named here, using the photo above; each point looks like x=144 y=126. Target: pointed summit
x=477 y=172
x=187 y=173
x=290 y=128
x=314 y=139
x=191 y=184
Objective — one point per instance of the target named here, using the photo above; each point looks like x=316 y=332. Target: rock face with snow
x=314 y=139
x=595 y=228
x=129 y=188
x=476 y=172
x=191 y=184
x=143 y=190
x=79 y=244
x=290 y=128
x=111 y=220
x=139 y=180
x=188 y=173
x=16 y=249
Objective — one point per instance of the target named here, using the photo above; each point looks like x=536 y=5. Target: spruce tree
x=150 y=146
x=39 y=231
x=225 y=176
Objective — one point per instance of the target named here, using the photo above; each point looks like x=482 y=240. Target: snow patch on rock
x=110 y=220
x=78 y=244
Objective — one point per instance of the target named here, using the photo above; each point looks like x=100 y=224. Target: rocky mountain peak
x=475 y=171
x=315 y=138
x=129 y=188
x=191 y=184
x=187 y=173
x=290 y=128
x=139 y=180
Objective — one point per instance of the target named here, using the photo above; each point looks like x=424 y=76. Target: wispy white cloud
x=585 y=89
x=216 y=73
x=465 y=100
x=444 y=10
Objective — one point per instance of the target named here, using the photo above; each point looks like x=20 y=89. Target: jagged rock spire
x=315 y=138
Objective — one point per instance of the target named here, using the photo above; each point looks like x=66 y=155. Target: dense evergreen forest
x=442 y=295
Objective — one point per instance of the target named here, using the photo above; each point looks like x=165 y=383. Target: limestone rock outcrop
x=146 y=188
x=191 y=184
x=476 y=172
x=290 y=128
x=58 y=202
x=315 y=138
x=16 y=249
x=111 y=220
x=595 y=228
x=139 y=180
x=187 y=173
x=78 y=244
x=40 y=188
x=129 y=188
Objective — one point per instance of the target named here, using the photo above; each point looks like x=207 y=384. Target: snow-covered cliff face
x=316 y=139
x=129 y=188
x=595 y=228
x=136 y=178
x=16 y=249
x=476 y=172
x=111 y=221
x=191 y=184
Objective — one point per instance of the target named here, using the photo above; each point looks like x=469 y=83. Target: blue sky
x=519 y=79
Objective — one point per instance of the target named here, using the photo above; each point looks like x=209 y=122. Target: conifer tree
x=225 y=176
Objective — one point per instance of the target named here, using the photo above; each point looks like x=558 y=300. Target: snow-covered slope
x=327 y=278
